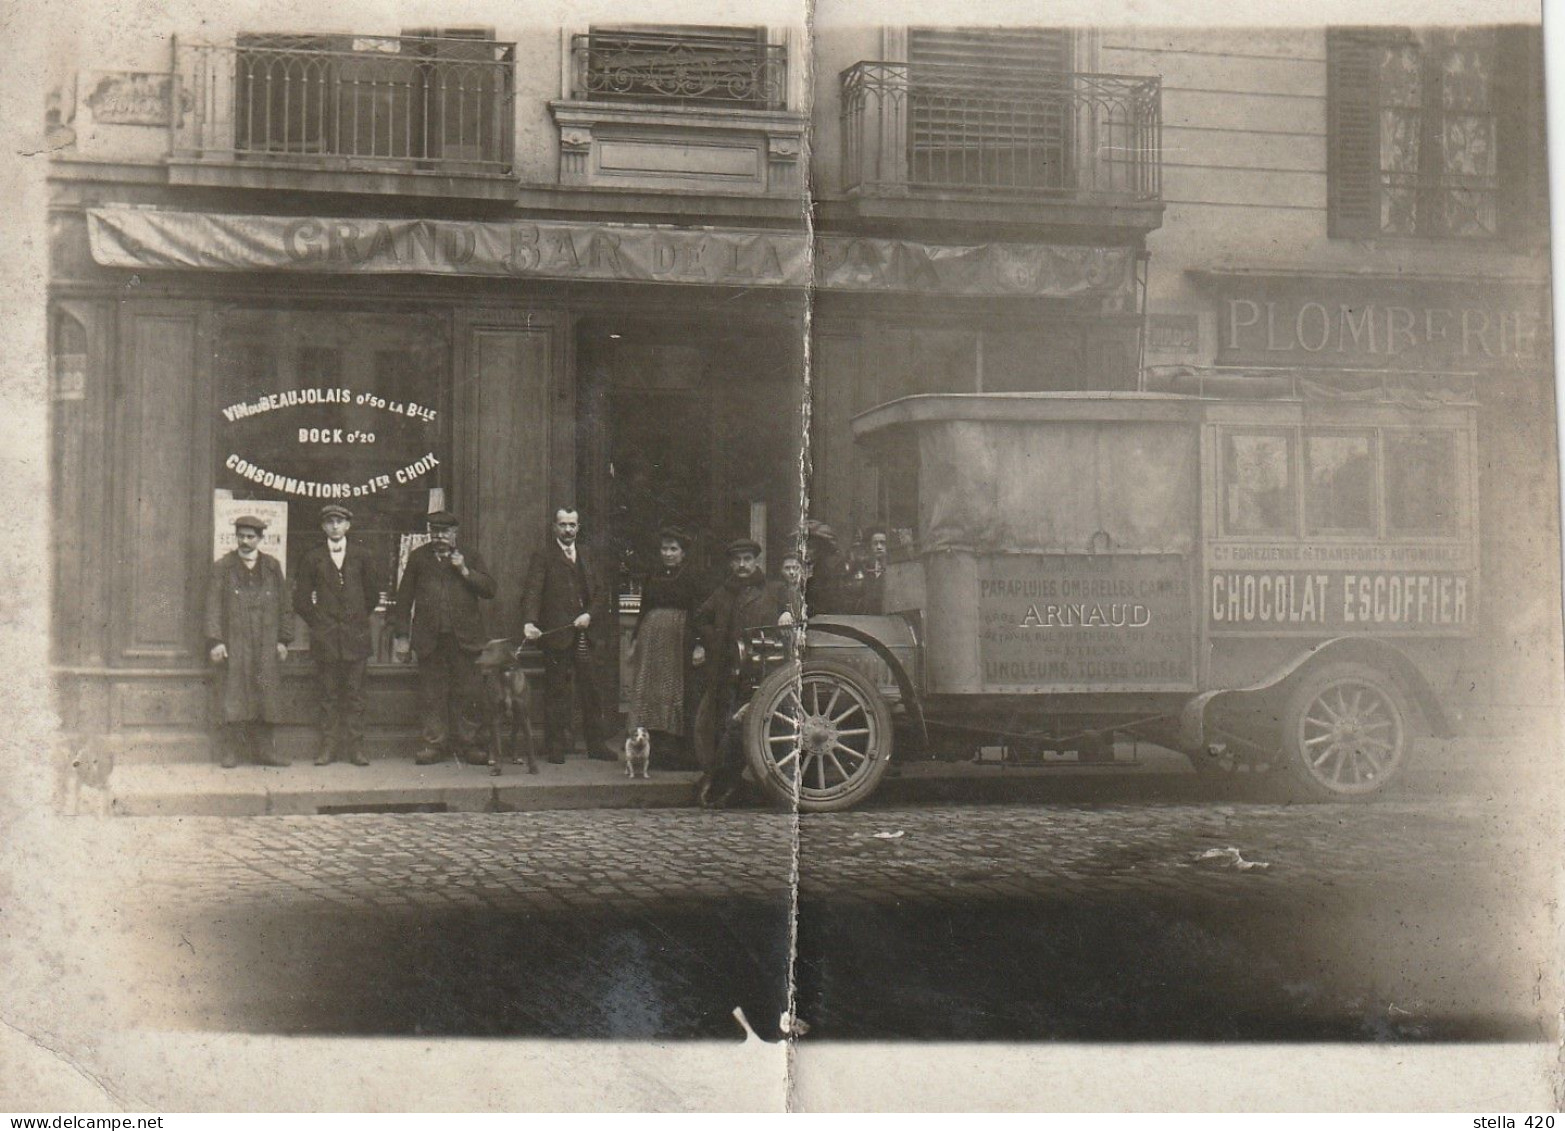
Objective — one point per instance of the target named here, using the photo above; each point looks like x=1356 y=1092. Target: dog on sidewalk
x=509 y=699
x=638 y=753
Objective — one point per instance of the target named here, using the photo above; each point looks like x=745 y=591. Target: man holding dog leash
x=556 y=614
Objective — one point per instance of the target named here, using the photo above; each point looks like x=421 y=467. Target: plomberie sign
x=1375 y=324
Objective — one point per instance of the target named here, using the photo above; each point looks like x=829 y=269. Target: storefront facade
x=645 y=300
x=223 y=347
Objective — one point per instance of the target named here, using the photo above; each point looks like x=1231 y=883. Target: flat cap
x=335 y=510
x=441 y=518
x=250 y=521
x=743 y=545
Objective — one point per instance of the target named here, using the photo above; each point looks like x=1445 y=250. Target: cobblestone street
x=1410 y=919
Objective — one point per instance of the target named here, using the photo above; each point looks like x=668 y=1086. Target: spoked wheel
x=1345 y=733
x=821 y=727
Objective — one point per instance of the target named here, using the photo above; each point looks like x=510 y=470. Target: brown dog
x=516 y=707
x=509 y=704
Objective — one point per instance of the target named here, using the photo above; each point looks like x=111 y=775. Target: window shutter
x=1353 y=133
x=1518 y=100
x=1009 y=51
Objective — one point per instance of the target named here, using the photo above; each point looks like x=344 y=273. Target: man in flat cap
x=557 y=603
x=248 y=627
x=335 y=591
x=745 y=600
x=438 y=597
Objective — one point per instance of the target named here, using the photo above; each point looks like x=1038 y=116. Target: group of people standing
x=683 y=686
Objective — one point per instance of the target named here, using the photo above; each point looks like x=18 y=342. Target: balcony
x=952 y=132
x=679 y=68
x=400 y=107
x=690 y=110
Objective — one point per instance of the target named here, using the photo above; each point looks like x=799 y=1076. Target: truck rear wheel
x=1345 y=732
x=818 y=736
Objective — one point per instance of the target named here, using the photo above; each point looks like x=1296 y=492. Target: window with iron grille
x=440 y=97
x=990 y=108
x=700 y=65
x=1428 y=131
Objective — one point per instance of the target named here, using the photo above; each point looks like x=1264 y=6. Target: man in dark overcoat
x=829 y=582
x=335 y=591
x=557 y=602
x=441 y=587
x=248 y=627
x=745 y=600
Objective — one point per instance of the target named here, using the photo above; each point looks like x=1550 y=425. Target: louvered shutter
x=1518 y=100
x=1015 y=50
x=989 y=107
x=1353 y=132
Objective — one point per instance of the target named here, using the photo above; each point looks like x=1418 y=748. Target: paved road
x=1412 y=919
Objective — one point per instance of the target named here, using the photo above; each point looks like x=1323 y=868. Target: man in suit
x=439 y=596
x=248 y=628
x=556 y=613
x=336 y=590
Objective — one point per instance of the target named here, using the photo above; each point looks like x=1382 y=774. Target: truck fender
x=1377 y=653
x=910 y=699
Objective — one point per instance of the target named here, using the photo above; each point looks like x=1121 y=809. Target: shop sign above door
x=1446 y=325
x=145 y=239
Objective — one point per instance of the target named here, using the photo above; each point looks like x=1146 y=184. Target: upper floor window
x=1428 y=131
x=435 y=98
x=990 y=107
x=699 y=65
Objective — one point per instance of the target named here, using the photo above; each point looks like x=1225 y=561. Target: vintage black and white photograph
x=770 y=556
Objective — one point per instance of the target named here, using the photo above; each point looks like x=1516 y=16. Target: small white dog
x=638 y=752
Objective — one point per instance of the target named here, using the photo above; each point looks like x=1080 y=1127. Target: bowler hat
x=441 y=518
x=335 y=510
x=250 y=521
x=743 y=545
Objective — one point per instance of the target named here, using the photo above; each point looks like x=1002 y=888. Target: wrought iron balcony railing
x=681 y=68
x=951 y=128
x=377 y=103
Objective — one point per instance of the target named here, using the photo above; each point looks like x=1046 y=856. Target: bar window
x=1421 y=483
x=1258 y=483
x=306 y=417
x=1340 y=476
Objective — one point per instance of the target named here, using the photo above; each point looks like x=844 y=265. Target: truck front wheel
x=817 y=736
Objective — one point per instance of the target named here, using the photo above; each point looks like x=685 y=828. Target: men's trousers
x=342 y=704
x=448 y=691
x=567 y=674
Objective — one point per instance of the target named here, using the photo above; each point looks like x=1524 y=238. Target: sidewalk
x=390 y=785
x=386 y=786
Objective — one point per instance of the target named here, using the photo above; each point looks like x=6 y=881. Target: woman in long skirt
x=663 y=646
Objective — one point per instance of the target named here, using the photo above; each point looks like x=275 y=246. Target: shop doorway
x=685 y=424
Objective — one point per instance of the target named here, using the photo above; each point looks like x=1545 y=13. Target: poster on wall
x=274 y=539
